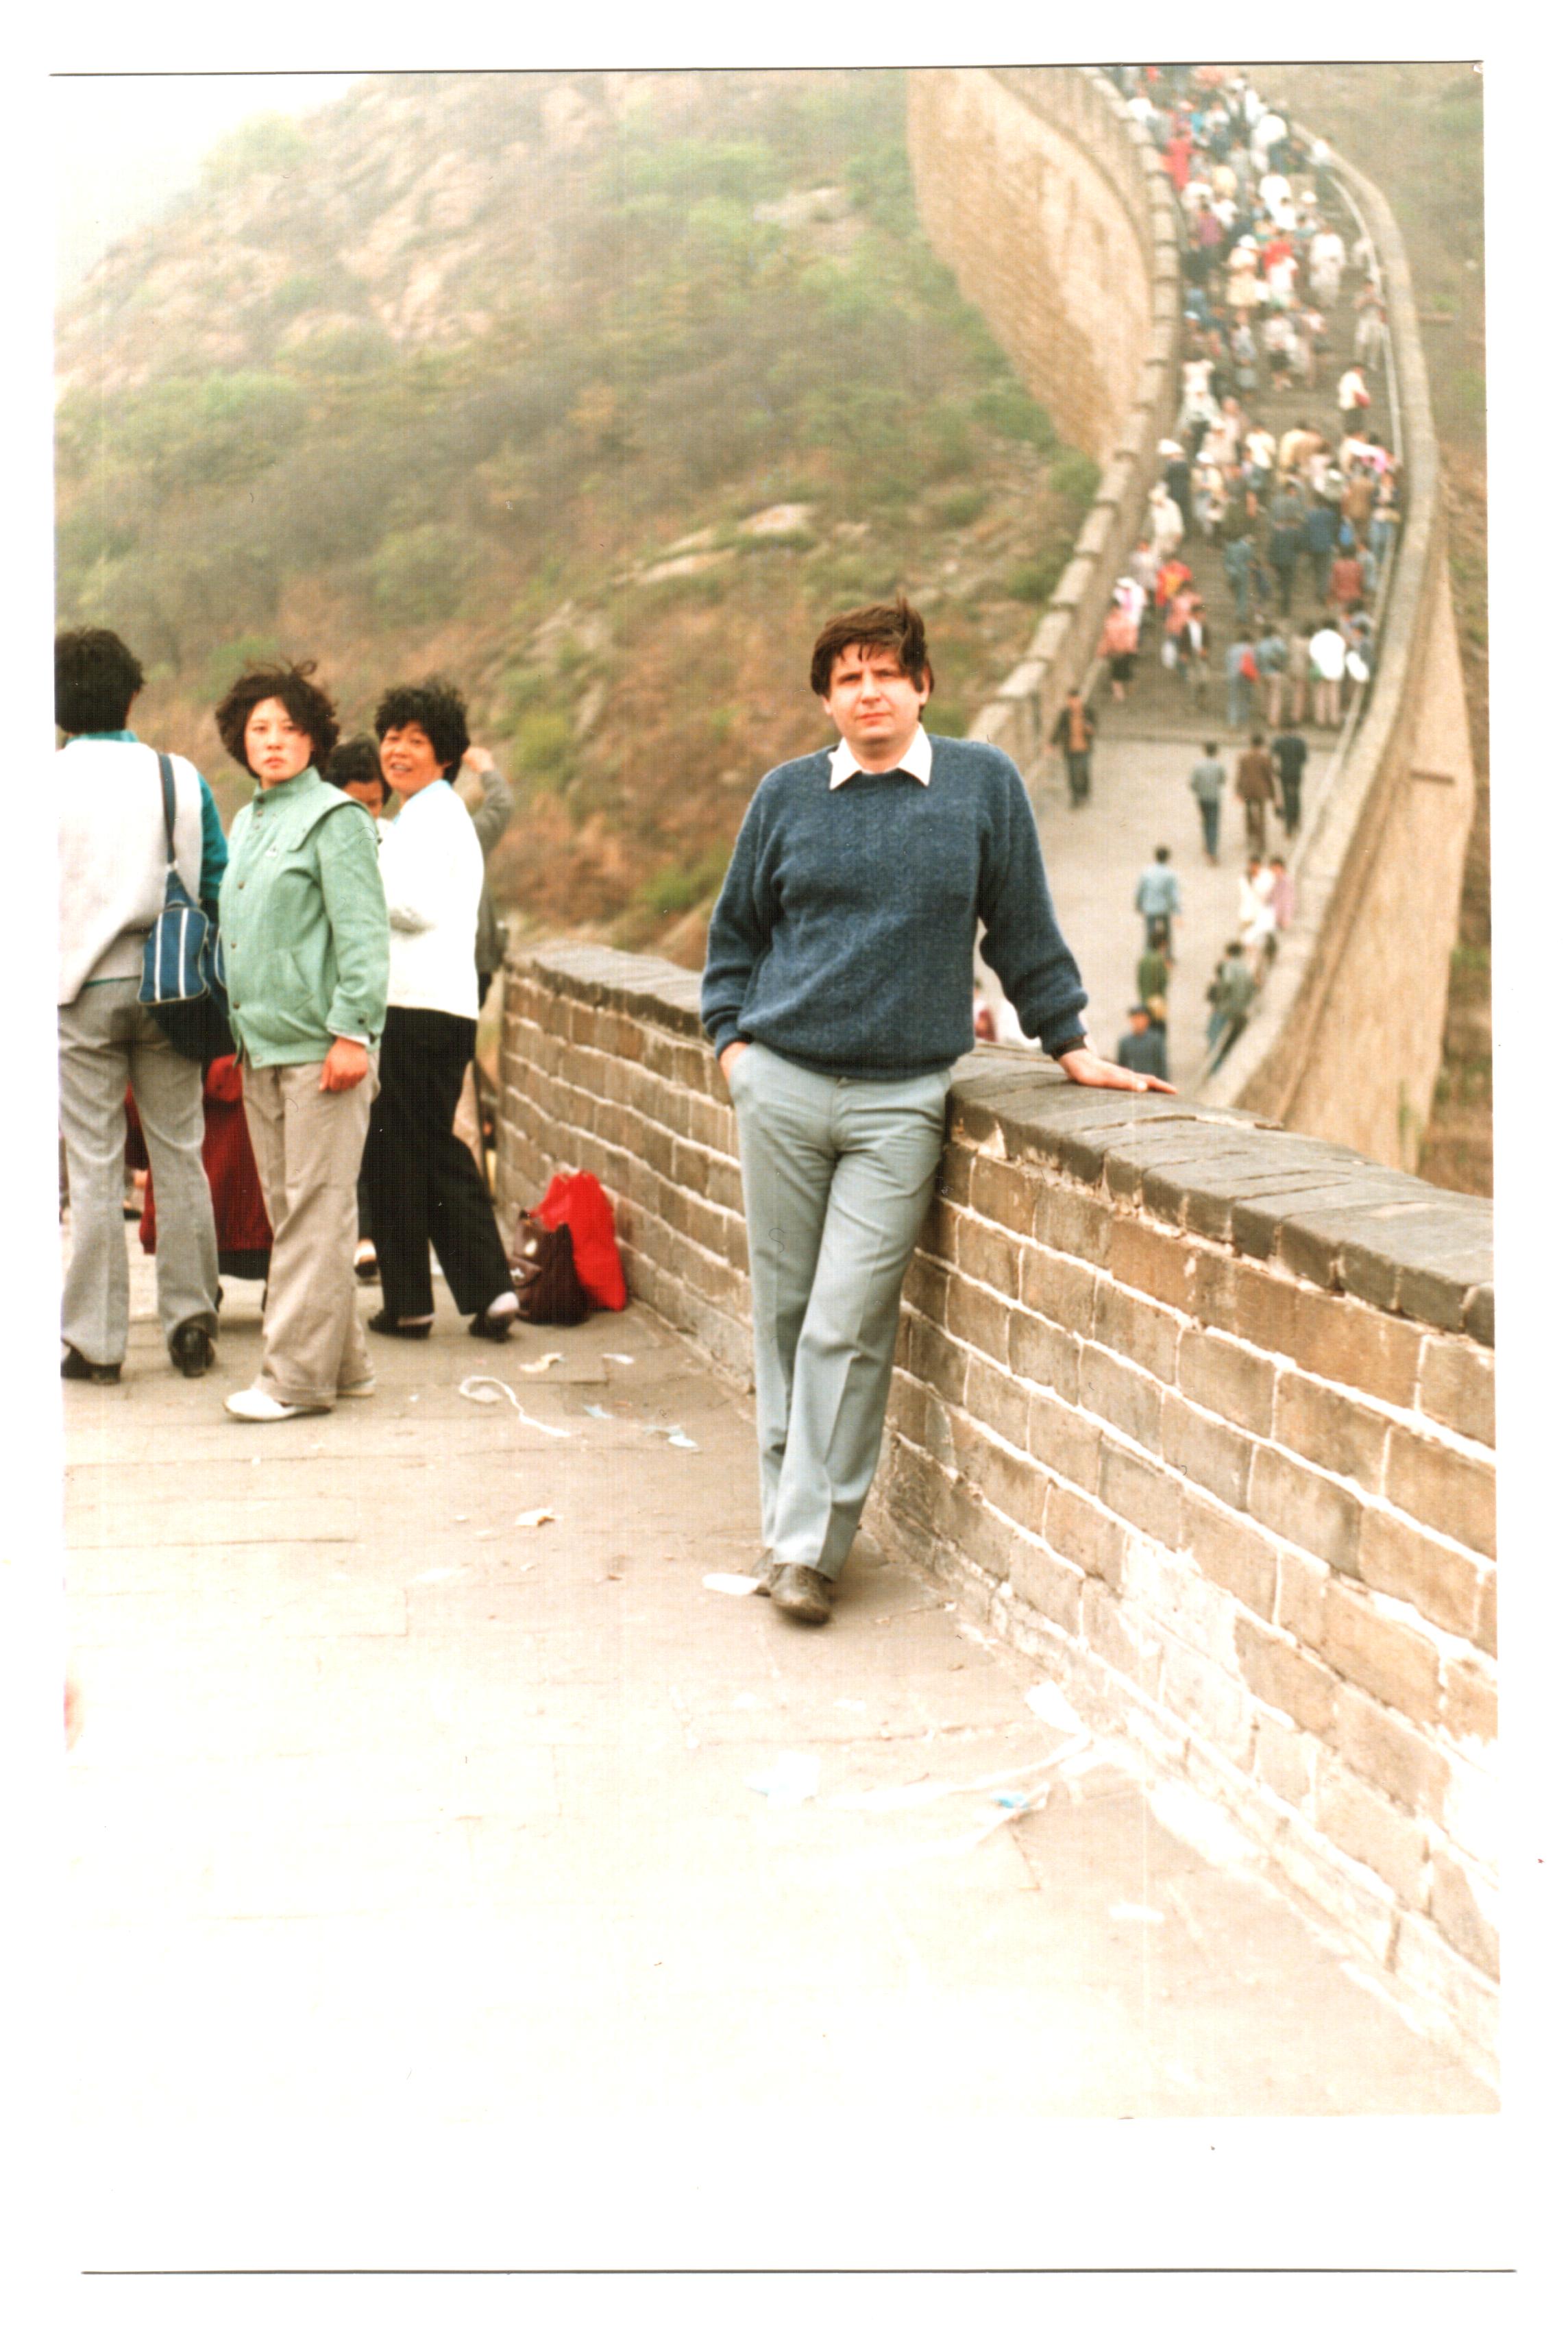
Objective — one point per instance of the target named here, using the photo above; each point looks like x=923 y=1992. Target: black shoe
x=800 y=1591
x=191 y=1349
x=80 y=1371
x=485 y=1323
x=382 y=1323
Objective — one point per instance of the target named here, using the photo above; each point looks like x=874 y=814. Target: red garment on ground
x=578 y=1201
x=239 y=1212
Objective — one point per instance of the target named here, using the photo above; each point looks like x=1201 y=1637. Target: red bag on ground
x=578 y=1201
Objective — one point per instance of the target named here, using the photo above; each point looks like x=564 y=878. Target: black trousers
x=426 y=1190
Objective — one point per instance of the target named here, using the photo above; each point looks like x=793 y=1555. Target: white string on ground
x=470 y=1391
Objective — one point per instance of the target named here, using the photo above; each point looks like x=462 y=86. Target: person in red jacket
x=244 y=1234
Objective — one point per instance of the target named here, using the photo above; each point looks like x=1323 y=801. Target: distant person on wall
x=1153 y=978
x=426 y=1189
x=1231 y=996
x=1158 y=899
x=837 y=1001
x=1142 y=1048
x=1255 y=789
x=113 y=862
x=1118 y=647
x=1289 y=763
x=1074 y=738
x=304 y=933
x=1208 y=784
x=1328 y=669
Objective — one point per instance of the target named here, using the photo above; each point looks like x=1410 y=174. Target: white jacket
x=113 y=857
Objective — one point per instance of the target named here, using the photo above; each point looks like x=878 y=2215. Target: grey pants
x=106 y=1042
x=838 y=1174
x=308 y=1146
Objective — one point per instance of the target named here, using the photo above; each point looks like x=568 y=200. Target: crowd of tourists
x=317 y=1134
x=1304 y=515
x=1300 y=515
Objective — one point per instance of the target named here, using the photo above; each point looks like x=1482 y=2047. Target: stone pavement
x=1094 y=855
x=387 y=1807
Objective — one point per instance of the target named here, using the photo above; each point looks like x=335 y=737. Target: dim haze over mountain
x=125 y=144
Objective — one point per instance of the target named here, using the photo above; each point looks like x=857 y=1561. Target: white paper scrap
x=535 y=1516
x=1051 y=1706
x=791 y=1780
x=731 y=1582
x=623 y=1359
x=537 y=1368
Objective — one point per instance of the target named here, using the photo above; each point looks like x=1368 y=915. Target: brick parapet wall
x=1196 y=1410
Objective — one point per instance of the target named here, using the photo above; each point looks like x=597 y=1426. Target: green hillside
x=595 y=391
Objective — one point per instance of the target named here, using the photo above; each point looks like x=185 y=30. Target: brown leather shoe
x=802 y=1593
x=763 y=1569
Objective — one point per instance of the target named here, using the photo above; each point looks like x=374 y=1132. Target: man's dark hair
x=95 y=677
x=438 y=708
x=898 y=626
x=355 y=761
x=1257 y=736
x=309 y=708
x=1162 y=853
x=1211 y=747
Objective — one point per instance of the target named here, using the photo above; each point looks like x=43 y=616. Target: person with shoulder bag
x=117 y=857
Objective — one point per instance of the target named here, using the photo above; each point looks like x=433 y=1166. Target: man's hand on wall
x=1087 y=1068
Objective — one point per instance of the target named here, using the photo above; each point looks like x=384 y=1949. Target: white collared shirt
x=915 y=763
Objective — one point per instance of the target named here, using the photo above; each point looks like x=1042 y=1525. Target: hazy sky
x=124 y=143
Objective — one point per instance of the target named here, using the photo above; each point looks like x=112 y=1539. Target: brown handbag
x=548 y=1291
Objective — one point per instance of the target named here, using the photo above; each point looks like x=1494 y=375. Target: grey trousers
x=308 y=1146
x=837 y=1174
x=108 y=1041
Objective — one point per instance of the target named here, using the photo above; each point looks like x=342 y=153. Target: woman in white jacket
x=426 y=1189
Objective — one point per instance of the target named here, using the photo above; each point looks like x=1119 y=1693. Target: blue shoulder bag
x=182 y=965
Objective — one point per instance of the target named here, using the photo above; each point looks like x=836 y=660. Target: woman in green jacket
x=303 y=921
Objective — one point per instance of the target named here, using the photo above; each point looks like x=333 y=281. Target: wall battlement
x=1196 y=1410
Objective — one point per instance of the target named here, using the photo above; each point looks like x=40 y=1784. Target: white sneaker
x=360 y=1391
x=257 y=1408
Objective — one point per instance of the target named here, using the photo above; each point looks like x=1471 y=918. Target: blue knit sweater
x=844 y=936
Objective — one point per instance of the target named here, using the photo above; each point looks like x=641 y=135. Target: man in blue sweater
x=837 y=995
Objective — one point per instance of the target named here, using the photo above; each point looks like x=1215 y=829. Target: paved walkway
x=389 y=1810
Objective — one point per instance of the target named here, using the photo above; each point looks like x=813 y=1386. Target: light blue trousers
x=838 y=1174
x=107 y=1041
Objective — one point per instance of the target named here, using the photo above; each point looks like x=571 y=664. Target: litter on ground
x=592 y=1409
x=675 y=1435
x=790 y=1780
x=535 y=1516
x=1051 y=1706
x=475 y=1388
x=623 y=1359
x=537 y=1368
x=731 y=1582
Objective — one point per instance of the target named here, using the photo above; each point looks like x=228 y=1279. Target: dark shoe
x=191 y=1349
x=800 y=1591
x=485 y=1323
x=80 y=1371
x=763 y=1569
x=382 y=1323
